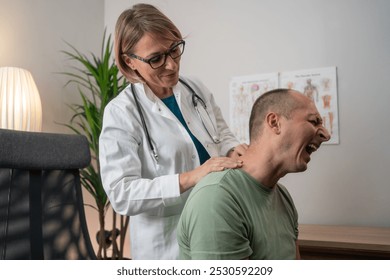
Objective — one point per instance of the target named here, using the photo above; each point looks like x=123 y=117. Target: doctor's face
x=163 y=78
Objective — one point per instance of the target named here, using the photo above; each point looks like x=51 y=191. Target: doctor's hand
x=237 y=151
x=189 y=179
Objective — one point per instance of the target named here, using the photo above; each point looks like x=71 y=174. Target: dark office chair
x=41 y=205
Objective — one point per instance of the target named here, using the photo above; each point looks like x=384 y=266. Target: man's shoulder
x=220 y=179
x=213 y=180
x=221 y=184
x=284 y=190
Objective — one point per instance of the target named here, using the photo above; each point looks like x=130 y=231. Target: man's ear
x=273 y=122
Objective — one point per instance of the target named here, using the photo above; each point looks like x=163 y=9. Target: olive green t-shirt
x=229 y=215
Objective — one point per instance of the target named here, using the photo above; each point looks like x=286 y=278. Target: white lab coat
x=139 y=186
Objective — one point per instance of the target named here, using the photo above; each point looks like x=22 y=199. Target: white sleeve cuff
x=170 y=190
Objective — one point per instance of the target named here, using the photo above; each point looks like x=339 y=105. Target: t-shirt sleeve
x=214 y=226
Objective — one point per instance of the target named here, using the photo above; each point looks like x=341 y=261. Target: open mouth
x=311 y=148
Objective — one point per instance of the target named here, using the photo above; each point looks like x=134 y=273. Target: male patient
x=245 y=213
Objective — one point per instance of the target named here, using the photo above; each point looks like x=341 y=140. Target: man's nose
x=324 y=134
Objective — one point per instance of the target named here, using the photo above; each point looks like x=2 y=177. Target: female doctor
x=161 y=135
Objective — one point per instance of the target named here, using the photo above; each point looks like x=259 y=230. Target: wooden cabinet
x=343 y=242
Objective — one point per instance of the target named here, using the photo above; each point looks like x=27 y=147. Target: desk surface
x=345 y=237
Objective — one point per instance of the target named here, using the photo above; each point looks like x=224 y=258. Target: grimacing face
x=303 y=134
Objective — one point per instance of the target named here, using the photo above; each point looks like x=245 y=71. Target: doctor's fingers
x=221 y=163
x=239 y=150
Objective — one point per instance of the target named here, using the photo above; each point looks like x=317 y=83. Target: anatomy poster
x=318 y=84
x=243 y=93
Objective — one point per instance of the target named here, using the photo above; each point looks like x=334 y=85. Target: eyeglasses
x=159 y=60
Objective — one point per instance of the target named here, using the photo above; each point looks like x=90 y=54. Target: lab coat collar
x=143 y=88
x=158 y=107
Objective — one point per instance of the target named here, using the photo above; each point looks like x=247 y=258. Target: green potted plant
x=98 y=81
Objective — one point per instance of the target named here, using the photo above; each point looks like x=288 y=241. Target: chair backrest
x=41 y=204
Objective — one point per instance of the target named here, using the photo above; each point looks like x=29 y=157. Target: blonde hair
x=132 y=25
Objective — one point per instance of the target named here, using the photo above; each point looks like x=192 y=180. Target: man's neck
x=259 y=163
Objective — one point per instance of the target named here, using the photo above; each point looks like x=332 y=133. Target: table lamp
x=20 y=104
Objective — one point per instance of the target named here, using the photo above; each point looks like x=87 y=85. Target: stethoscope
x=200 y=110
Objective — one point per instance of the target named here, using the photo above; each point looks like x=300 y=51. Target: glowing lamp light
x=20 y=104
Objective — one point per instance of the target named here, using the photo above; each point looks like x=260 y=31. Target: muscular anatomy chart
x=243 y=93
x=320 y=85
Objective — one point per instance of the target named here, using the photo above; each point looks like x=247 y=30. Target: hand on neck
x=260 y=164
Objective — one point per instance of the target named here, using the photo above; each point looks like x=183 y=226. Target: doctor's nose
x=171 y=63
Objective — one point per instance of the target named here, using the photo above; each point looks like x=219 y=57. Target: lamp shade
x=20 y=104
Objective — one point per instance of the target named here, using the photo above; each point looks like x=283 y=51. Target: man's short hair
x=280 y=101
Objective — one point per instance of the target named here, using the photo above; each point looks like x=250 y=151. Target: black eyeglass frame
x=165 y=54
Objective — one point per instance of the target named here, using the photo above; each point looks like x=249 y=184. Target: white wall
x=346 y=183
x=32 y=36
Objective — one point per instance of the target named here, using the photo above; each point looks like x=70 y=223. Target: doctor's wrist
x=185 y=182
